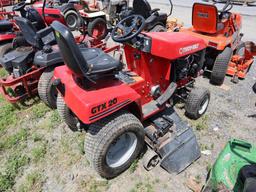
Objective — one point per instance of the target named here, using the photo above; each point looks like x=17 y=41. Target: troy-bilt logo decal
x=103 y=106
x=188 y=48
x=203 y=15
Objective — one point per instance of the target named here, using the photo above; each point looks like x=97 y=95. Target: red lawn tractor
x=118 y=106
x=31 y=62
x=9 y=29
x=32 y=58
x=221 y=30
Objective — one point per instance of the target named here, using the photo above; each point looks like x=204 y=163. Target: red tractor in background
x=221 y=30
x=9 y=29
x=32 y=58
x=118 y=106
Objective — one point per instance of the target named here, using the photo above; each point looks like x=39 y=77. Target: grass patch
x=201 y=124
x=81 y=144
x=36 y=137
x=3 y=73
x=34 y=182
x=54 y=119
x=39 y=152
x=7 y=115
x=143 y=187
x=13 y=140
x=12 y=167
x=38 y=111
x=93 y=185
x=134 y=166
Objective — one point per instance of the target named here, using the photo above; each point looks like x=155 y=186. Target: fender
x=93 y=105
x=66 y=7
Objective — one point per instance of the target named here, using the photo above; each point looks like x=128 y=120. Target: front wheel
x=197 y=102
x=113 y=143
x=72 y=19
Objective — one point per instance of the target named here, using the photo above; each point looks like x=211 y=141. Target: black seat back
x=142 y=7
x=29 y=32
x=33 y=16
x=5 y=25
x=70 y=51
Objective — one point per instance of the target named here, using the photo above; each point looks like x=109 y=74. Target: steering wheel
x=19 y=6
x=227 y=7
x=128 y=28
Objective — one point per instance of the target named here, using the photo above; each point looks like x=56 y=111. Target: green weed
x=39 y=152
x=38 y=111
x=143 y=187
x=134 y=166
x=13 y=140
x=34 y=183
x=12 y=167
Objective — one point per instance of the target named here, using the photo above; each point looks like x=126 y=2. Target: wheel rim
x=71 y=21
x=121 y=150
x=99 y=30
x=203 y=106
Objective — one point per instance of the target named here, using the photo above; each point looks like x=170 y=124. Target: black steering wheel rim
x=227 y=7
x=129 y=31
x=19 y=6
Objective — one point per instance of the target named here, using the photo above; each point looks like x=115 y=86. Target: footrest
x=167 y=94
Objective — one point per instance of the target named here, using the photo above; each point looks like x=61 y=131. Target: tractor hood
x=174 y=45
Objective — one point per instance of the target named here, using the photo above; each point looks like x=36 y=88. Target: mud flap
x=178 y=154
x=181 y=148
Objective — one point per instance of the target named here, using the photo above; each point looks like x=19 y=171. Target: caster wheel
x=150 y=160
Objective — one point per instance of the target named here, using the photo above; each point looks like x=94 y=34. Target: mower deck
x=173 y=140
x=28 y=82
x=238 y=66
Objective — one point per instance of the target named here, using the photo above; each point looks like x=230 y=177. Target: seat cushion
x=99 y=61
x=5 y=25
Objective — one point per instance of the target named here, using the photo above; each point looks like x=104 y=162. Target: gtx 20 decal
x=109 y=108
x=104 y=106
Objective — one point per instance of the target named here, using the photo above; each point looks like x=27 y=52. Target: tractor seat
x=34 y=37
x=205 y=18
x=83 y=61
x=5 y=25
x=98 y=61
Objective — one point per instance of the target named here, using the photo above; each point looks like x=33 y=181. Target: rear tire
x=5 y=49
x=72 y=19
x=158 y=28
x=98 y=28
x=121 y=132
x=197 y=103
x=46 y=91
x=66 y=114
x=220 y=66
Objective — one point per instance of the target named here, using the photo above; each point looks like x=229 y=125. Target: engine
x=188 y=66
